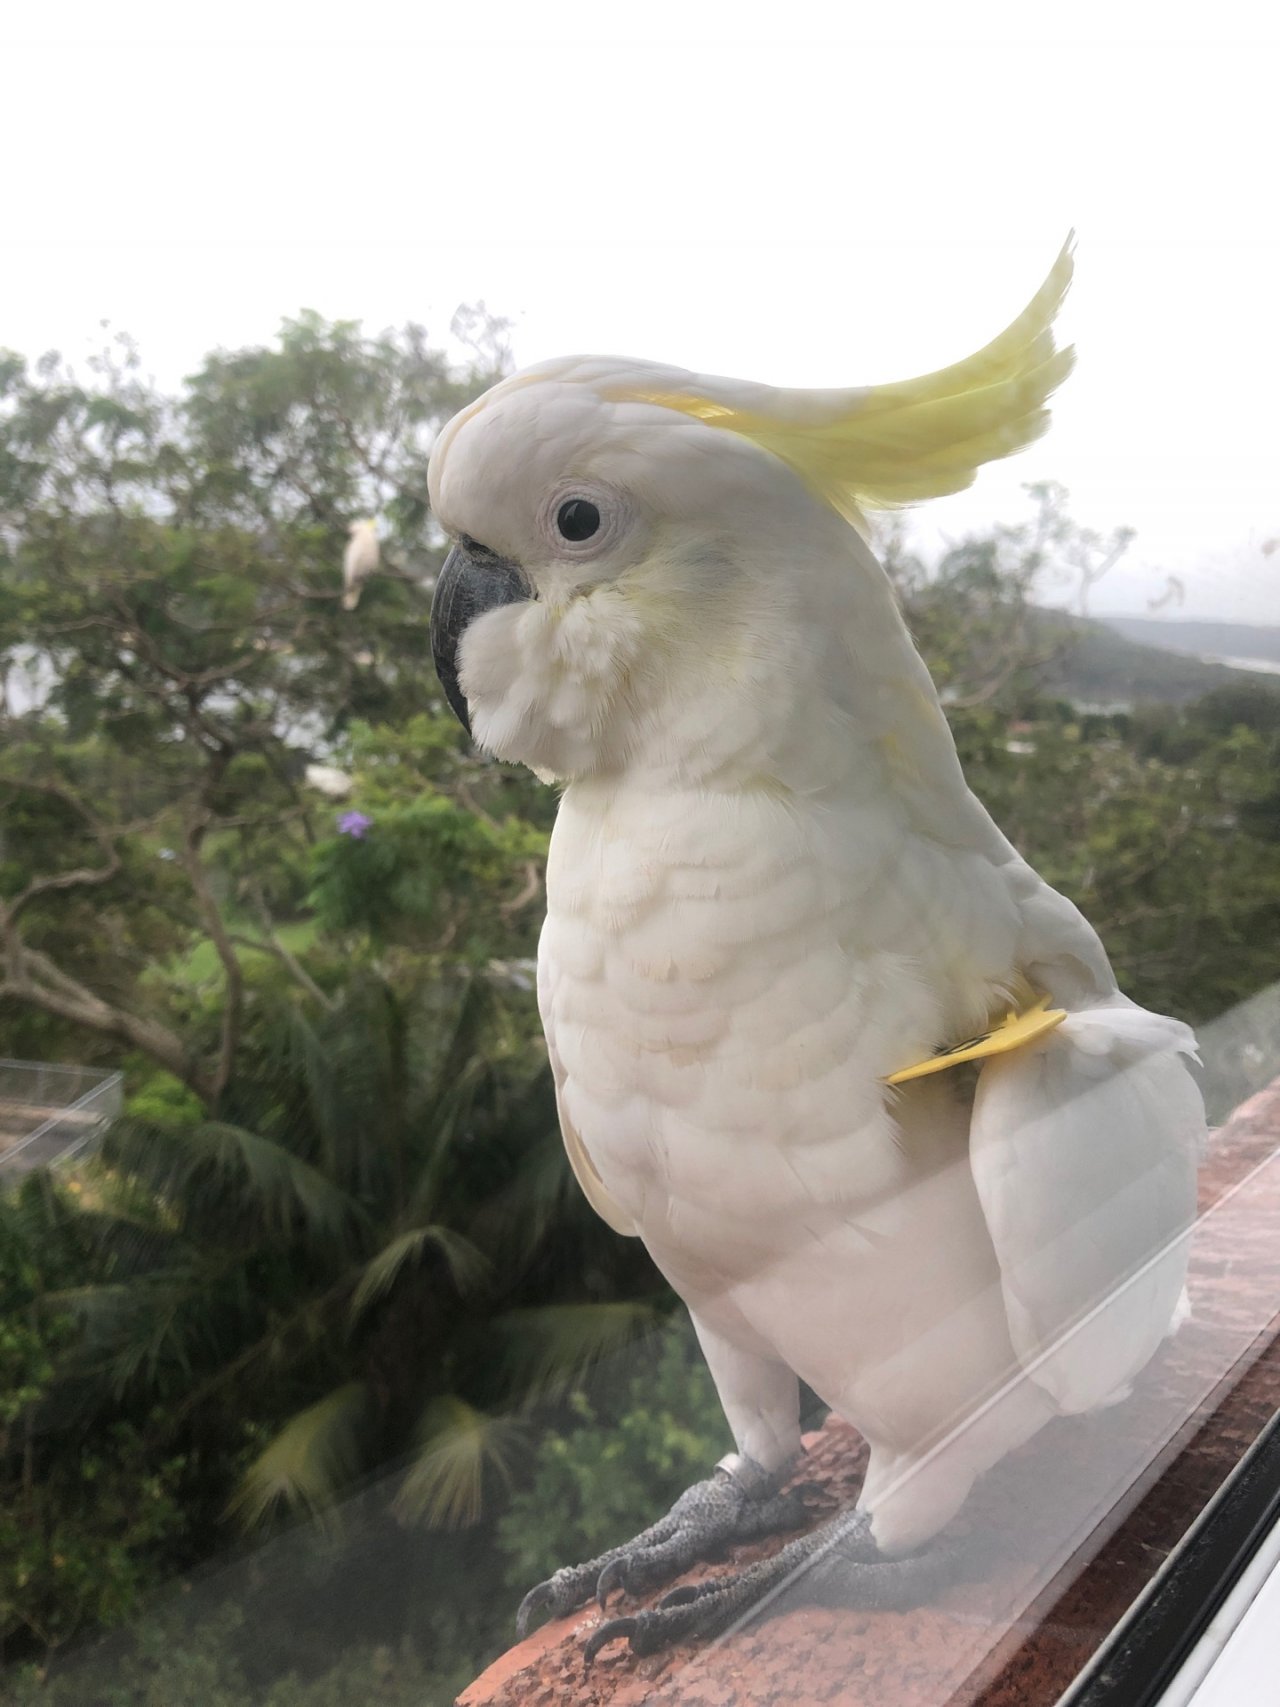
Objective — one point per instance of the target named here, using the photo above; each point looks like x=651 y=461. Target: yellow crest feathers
x=886 y=445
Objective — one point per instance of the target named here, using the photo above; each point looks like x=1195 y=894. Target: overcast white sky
x=777 y=202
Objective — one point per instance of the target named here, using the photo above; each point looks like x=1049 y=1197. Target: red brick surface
x=1063 y=1536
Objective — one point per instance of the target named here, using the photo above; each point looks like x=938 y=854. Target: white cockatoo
x=773 y=906
x=330 y=781
x=359 y=560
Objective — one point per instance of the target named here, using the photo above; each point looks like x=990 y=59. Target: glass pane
x=453 y=819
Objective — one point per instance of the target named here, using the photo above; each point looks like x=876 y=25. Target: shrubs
x=618 y=1461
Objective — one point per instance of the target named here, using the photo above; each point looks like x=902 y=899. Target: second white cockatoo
x=776 y=920
x=359 y=560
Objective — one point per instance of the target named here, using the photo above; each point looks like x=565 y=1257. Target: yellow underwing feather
x=886 y=445
x=1014 y=1032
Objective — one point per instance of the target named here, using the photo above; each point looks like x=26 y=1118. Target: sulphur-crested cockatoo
x=769 y=894
x=359 y=560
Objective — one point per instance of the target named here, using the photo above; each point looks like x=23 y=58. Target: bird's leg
x=740 y=1502
x=836 y=1565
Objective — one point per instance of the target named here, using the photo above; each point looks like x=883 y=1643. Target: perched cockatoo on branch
x=776 y=921
x=359 y=560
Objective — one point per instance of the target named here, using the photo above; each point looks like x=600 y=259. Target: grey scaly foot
x=739 y=1502
x=836 y=1565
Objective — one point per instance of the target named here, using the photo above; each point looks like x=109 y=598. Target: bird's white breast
x=726 y=979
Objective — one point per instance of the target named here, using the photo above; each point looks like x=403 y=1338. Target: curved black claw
x=564 y=1592
x=614 y=1575
x=614 y=1631
x=704 y=1610
x=537 y=1600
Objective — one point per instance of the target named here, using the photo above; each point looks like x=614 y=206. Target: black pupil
x=577 y=519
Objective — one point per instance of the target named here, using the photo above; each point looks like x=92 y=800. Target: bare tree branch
x=31 y=977
x=376 y=471
x=81 y=876
x=529 y=891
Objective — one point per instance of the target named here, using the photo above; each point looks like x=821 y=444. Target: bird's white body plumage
x=727 y=976
x=769 y=887
x=359 y=560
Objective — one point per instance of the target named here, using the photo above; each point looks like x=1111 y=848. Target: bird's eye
x=577 y=519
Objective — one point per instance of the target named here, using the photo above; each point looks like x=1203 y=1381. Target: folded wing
x=1084 y=1148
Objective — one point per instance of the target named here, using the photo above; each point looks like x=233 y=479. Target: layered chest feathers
x=735 y=970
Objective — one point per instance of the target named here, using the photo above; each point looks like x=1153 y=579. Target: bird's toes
x=704 y=1609
x=560 y=1594
x=641 y=1568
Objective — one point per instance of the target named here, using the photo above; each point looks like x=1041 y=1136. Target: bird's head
x=598 y=559
x=630 y=538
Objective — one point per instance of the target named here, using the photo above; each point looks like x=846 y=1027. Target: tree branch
x=81 y=876
x=274 y=946
x=376 y=471
x=33 y=978
x=528 y=892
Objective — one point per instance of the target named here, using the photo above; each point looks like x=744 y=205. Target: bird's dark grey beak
x=471 y=582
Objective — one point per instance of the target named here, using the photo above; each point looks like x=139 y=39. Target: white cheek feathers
x=544 y=680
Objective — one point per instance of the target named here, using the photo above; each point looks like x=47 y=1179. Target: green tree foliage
x=1177 y=864
x=336 y=1230
x=174 y=1662
x=170 y=591
x=974 y=613
x=618 y=1460
x=82 y=1532
x=1163 y=824
x=384 y=1268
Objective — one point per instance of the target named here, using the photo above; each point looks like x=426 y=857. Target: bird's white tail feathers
x=1084 y=1148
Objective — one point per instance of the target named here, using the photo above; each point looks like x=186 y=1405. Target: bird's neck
x=808 y=688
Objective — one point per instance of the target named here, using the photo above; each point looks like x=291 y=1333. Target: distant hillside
x=1222 y=641
x=1101 y=665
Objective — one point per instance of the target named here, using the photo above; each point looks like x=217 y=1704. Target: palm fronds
x=313 y=1457
x=458 y=1447
x=467 y=1265
x=549 y=1347
x=263 y=1178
